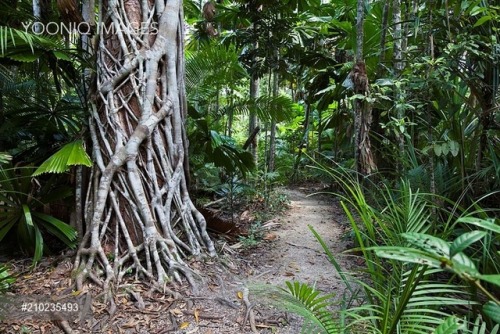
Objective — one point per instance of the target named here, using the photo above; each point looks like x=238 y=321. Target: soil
x=288 y=252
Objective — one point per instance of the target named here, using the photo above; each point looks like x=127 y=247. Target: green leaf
x=454 y=148
x=464 y=241
x=384 y=82
x=464 y=266
x=450 y=325
x=428 y=243
x=7 y=226
x=486 y=224
x=437 y=150
x=60 y=229
x=492 y=310
x=62 y=55
x=27 y=215
x=493 y=279
x=70 y=154
x=38 y=245
x=482 y=20
x=445 y=148
x=406 y=254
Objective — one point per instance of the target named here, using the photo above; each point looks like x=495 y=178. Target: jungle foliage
x=426 y=222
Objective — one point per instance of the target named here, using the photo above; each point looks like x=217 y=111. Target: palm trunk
x=139 y=214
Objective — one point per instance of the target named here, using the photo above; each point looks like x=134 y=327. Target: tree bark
x=253 y=121
x=139 y=215
x=272 y=139
x=365 y=164
x=398 y=66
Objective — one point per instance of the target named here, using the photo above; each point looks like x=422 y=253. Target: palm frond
x=71 y=154
x=267 y=108
x=303 y=300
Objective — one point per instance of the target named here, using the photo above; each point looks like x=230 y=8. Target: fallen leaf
x=270 y=236
x=130 y=324
x=240 y=294
x=289 y=274
x=176 y=311
x=184 y=325
x=197 y=315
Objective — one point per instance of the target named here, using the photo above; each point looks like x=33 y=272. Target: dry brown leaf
x=240 y=294
x=270 y=236
x=184 y=325
x=289 y=274
x=176 y=311
x=197 y=315
x=130 y=324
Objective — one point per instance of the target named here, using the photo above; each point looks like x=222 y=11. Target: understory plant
x=420 y=273
x=22 y=203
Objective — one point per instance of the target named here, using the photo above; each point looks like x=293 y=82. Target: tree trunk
x=272 y=139
x=362 y=109
x=37 y=13
x=398 y=66
x=253 y=121
x=139 y=214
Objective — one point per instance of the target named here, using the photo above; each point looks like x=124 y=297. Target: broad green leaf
x=464 y=241
x=437 y=150
x=454 y=148
x=428 y=243
x=450 y=325
x=464 y=266
x=492 y=310
x=494 y=279
x=486 y=224
x=406 y=254
x=482 y=20
x=62 y=55
x=70 y=154
x=445 y=148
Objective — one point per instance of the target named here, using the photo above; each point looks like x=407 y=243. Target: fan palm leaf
x=71 y=154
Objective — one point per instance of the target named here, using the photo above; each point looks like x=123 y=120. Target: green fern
x=305 y=301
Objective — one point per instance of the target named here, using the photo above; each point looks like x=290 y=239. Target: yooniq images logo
x=85 y=28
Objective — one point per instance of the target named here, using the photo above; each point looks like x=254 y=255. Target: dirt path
x=290 y=252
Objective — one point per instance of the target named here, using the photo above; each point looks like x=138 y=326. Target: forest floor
x=288 y=252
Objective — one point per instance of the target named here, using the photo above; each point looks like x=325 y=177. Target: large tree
x=139 y=214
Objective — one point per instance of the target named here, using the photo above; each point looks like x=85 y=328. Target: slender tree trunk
x=272 y=139
x=37 y=13
x=253 y=121
x=305 y=137
x=432 y=172
x=398 y=66
x=362 y=109
x=383 y=37
x=139 y=214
